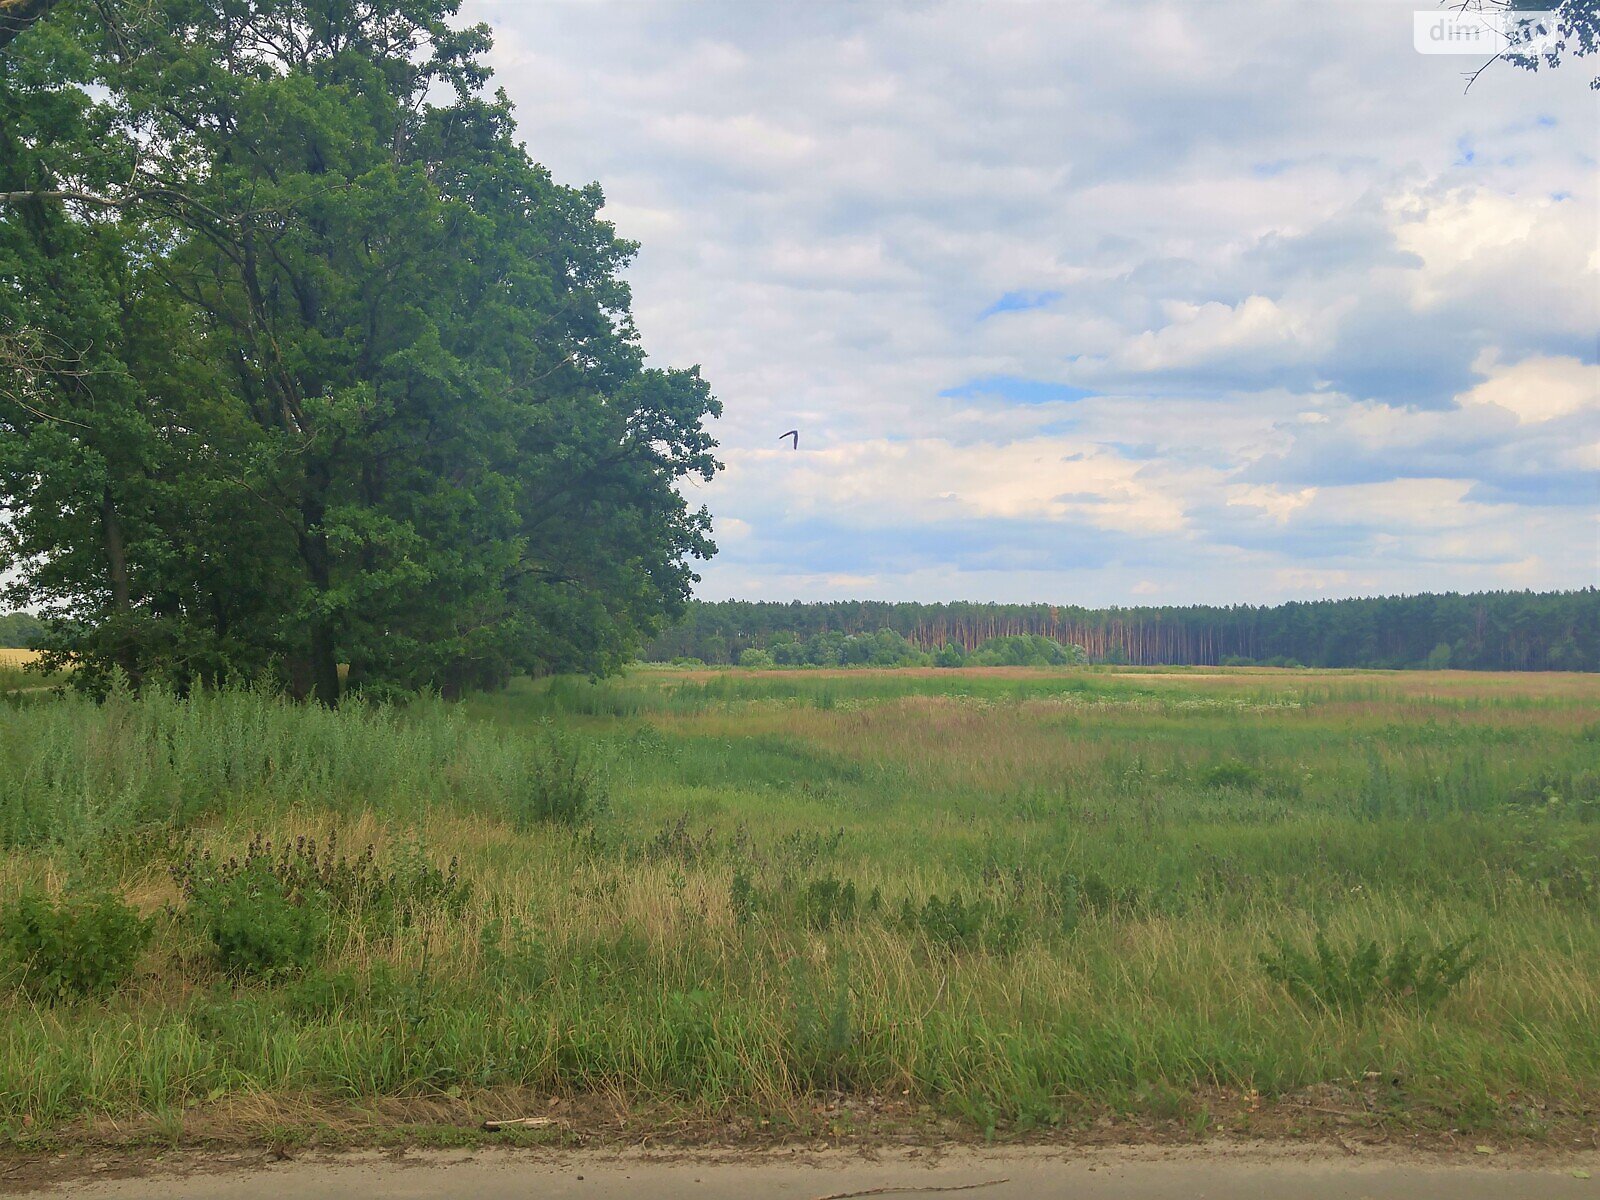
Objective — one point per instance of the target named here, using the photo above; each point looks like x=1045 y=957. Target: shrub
x=257 y=928
x=827 y=902
x=73 y=947
x=956 y=924
x=1026 y=650
x=561 y=788
x=1348 y=980
x=1556 y=864
x=759 y=659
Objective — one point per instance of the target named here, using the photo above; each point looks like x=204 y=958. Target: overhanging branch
x=17 y=15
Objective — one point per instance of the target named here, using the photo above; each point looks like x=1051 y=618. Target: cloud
x=1537 y=389
x=1195 y=334
x=1067 y=301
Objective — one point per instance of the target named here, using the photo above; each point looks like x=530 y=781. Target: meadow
x=817 y=903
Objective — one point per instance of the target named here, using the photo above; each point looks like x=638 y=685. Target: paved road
x=1120 y=1174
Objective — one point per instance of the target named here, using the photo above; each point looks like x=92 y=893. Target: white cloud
x=1201 y=333
x=922 y=479
x=1537 y=389
x=1276 y=503
x=1539 y=255
x=1316 y=287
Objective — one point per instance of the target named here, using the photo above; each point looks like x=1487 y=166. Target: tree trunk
x=323 y=663
x=121 y=593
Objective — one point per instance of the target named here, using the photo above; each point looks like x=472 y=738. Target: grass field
x=814 y=902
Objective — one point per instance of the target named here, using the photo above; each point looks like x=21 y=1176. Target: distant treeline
x=1488 y=631
x=19 y=631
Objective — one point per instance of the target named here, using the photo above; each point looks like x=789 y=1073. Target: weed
x=561 y=787
x=257 y=927
x=1075 y=899
x=803 y=849
x=827 y=902
x=823 y=1032
x=1349 y=979
x=956 y=924
x=1231 y=773
x=677 y=843
x=515 y=953
x=70 y=948
x=1556 y=865
x=742 y=897
x=383 y=893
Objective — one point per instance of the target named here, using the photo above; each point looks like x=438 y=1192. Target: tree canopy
x=310 y=364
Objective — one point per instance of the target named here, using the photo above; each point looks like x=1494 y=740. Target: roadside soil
x=1239 y=1171
x=1324 y=1142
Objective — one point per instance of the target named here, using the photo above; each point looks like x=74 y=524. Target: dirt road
x=1236 y=1173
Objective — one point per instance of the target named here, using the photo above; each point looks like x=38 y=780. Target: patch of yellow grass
x=17 y=658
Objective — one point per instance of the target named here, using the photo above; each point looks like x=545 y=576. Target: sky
x=1099 y=304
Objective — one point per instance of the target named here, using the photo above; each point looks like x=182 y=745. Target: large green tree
x=372 y=391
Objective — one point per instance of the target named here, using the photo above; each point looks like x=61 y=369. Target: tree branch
x=17 y=15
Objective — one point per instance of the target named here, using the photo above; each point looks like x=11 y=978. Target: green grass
x=1019 y=898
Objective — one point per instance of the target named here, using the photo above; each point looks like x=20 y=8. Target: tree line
x=308 y=372
x=1502 y=631
x=20 y=631
x=886 y=648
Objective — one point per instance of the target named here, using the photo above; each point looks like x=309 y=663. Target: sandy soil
x=1236 y=1171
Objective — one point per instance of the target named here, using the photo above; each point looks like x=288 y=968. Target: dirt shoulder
x=1220 y=1168
x=301 y=1146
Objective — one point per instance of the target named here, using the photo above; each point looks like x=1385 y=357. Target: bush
x=759 y=659
x=560 y=789
x=1349 y=980
x=73 y=947
x=1027 y=650
x=257 y=928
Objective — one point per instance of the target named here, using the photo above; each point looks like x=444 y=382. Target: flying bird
x=793 y=433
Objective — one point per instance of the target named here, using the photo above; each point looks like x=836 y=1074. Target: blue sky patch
x=1016 y=390
x=1019 y=302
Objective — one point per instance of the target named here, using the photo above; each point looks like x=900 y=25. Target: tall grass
x=1020 y=898
x=73 y=771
